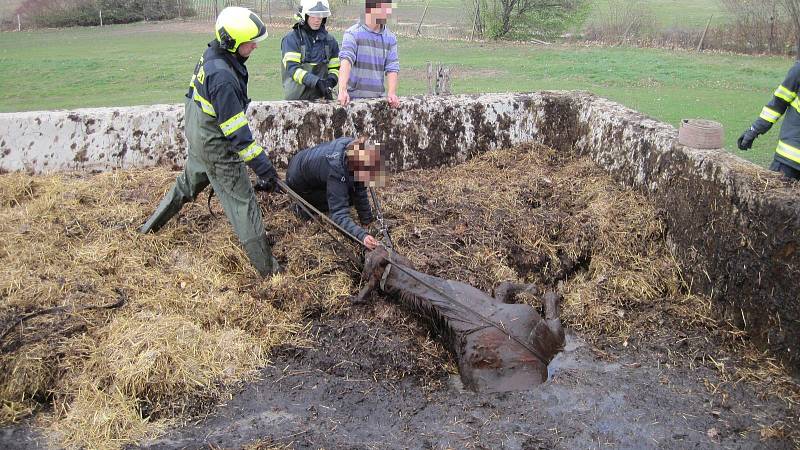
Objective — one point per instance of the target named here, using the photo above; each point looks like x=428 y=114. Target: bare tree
x=793 y=9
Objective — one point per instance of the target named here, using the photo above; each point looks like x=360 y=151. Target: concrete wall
x=734 y=226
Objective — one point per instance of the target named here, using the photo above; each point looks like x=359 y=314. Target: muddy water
x=363 y=385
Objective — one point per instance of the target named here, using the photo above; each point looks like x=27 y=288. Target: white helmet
x=315 y=8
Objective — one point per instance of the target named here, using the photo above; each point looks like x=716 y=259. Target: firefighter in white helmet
x=310 y=63
x=221 y=144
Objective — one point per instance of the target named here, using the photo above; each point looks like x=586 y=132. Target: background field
x=151 y=63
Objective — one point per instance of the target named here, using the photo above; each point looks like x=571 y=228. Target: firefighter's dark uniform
x=220 y=142
x=308 y=55
x=320 y=175
x=785 y=103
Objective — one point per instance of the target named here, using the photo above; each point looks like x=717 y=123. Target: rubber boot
x=170 y=205
x=260 y=254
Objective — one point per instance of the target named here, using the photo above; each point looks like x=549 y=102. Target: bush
x=68 y=13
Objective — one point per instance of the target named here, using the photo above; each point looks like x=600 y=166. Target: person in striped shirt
x=369 y=51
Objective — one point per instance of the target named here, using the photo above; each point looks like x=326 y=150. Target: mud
x=364 y=383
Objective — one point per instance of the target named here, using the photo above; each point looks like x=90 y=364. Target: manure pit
x=645 y=365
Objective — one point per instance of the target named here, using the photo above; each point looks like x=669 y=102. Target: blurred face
x=367 y=166
x=379 y=14
x=314 y=22
x=247 y=48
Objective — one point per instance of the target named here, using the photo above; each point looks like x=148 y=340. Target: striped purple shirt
x=371 y=55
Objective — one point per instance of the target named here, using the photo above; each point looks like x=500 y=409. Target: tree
x=523 y=19
x=793 y=10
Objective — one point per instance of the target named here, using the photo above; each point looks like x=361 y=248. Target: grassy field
x=146 y=64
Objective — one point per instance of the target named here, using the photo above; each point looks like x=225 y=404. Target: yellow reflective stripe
x=770 y=115
x=250 y=152
x=785 y=94
x=787 y=151
x=796 y=104
x=299 y=74
x=207 y=107
x=334 y=72
x=234 y=123
x=334 y=63
x=291 y=56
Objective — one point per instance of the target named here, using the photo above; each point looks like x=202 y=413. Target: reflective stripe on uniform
x=250 y=152
x=291 y=56
x=334 y=72
x=796 y=104
x=787 y=151
x=770 y=115
x=334 y=63
x=299 y=74
x=206 y=105
x=785 y=94
x=234 y=123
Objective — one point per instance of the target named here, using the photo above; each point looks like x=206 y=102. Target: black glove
x=745 y=141
x=268 y=182
x=325 y=87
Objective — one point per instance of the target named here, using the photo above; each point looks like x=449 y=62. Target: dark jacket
x=321 y=172
x=309 y=55
x=784 y=103
x=219 y=87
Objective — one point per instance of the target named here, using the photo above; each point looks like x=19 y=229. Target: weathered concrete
x=735 y=226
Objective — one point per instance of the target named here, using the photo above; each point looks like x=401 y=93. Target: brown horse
x=500 y=346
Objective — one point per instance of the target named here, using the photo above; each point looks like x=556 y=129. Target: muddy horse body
x=500 y=346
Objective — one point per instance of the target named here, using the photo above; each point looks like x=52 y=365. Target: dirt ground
x=361 y=384
x=336 y=395
x=644 y=367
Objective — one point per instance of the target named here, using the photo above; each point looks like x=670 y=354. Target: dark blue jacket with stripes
x=219 y=87
x=784 y=103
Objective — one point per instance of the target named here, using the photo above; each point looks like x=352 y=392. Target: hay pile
x=197 y=318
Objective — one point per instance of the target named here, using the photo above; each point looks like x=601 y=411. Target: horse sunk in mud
x=500 y=346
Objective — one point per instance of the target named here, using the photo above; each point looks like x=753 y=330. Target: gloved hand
x=325 y=88
x=268 y=182
x=745 y=141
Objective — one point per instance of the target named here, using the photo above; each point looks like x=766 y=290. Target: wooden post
x=430 y=77
x=703 y=37
x=771 y=32
x=419 y=27
x=101 y=17
x=19 y=24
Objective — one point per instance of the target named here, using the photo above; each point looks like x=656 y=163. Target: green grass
x=146 y=64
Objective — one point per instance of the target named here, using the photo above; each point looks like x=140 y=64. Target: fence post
x=19 y=24
x=703 y=37
x=771 y=33
x=419 y=27
x=101 y=17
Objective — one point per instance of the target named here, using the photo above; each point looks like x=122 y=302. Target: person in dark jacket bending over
x=310 y=65
x=334 y=175
x=221 y=145
x=784 y=103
